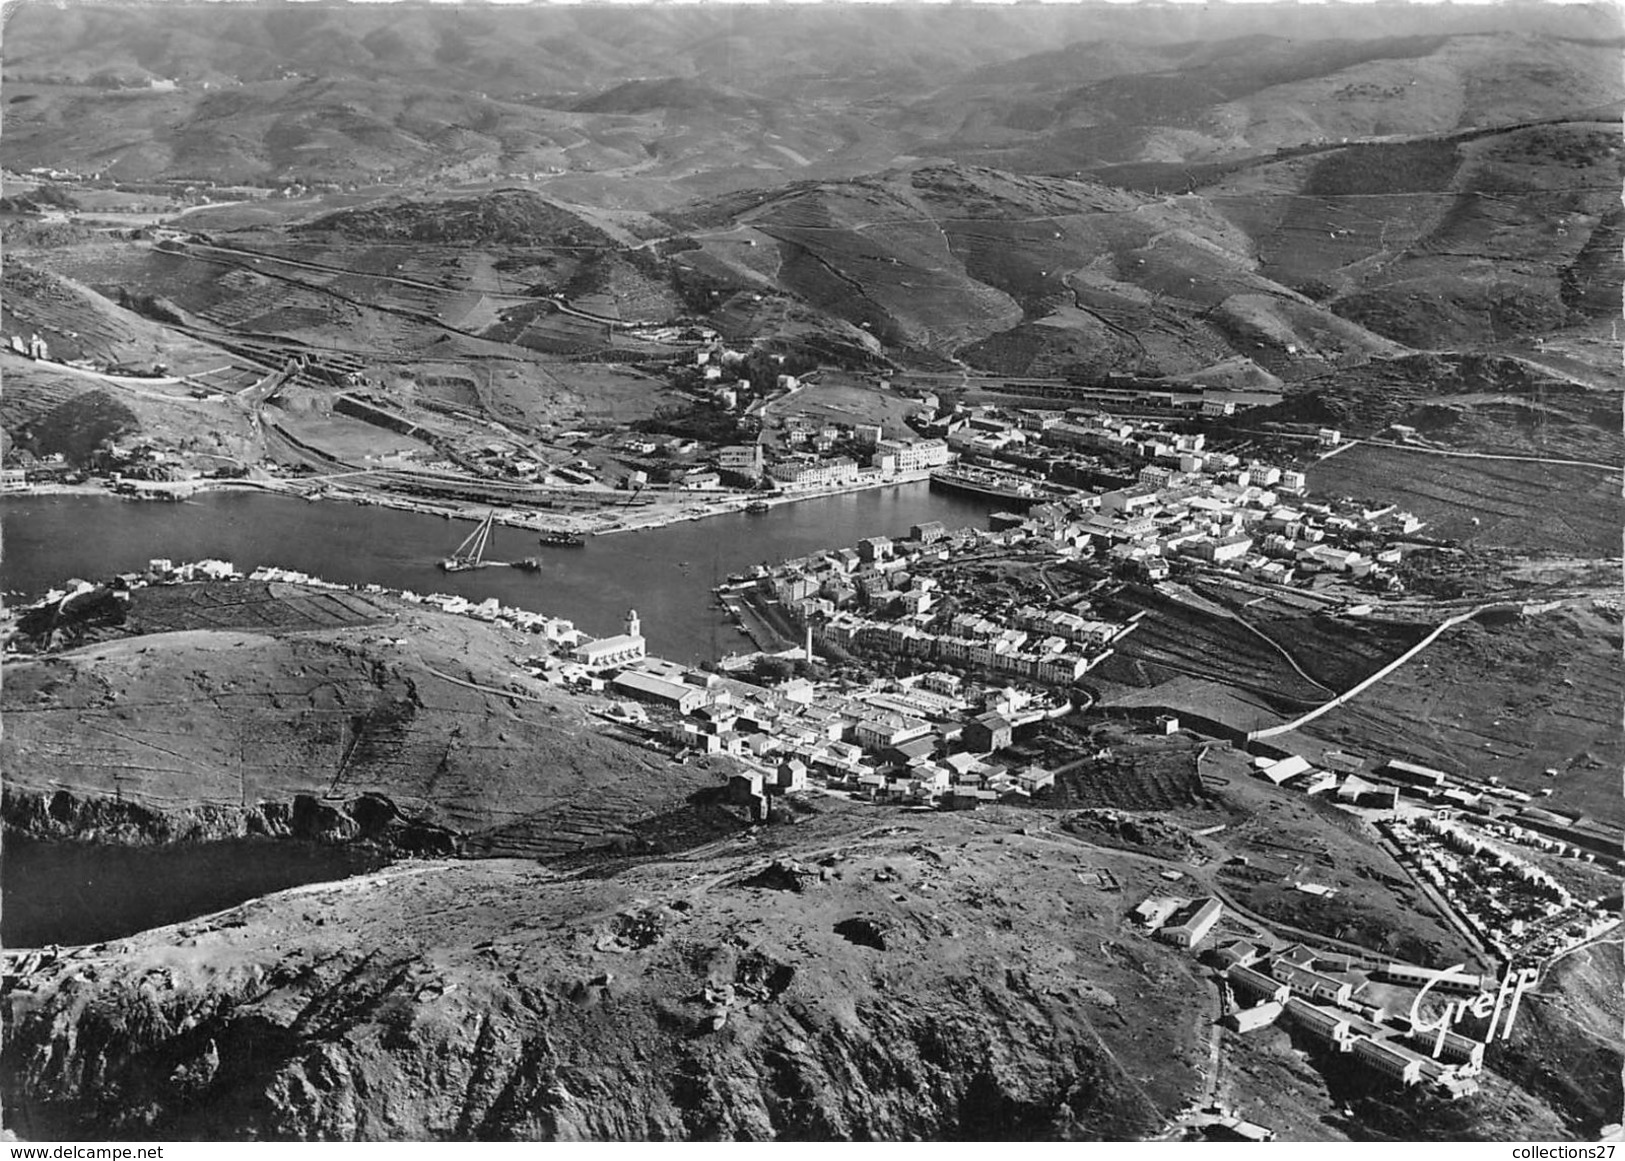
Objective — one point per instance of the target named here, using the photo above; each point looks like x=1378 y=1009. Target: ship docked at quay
x=1013 y=490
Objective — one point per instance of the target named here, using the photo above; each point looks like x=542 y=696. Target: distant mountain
x=1251 y=200
x=1084 y=106
x=702 y=99
x=677 y=94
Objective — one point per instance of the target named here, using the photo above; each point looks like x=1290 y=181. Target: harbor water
x=666 y=573
x=74 y=893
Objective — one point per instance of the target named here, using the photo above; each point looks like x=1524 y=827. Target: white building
x=811 y=473
x=623 y=649
x=916 y=456
x=1186 y=929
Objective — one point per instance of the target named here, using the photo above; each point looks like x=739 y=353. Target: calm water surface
x=665 y=573
x=75 y=893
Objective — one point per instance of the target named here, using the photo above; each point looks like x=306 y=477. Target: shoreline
x=650 y=517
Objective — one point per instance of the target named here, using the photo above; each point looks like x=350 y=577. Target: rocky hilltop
x=834 y=979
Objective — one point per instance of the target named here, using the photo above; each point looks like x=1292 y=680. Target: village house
x=1187 y=927
x=987 y=733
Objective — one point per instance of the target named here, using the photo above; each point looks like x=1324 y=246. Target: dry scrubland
x=1506 y=701
x=230 y=701
x=889 y=981
x=1530 y=507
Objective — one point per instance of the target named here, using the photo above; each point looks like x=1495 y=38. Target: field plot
x=248 y=605
x=1283 y=657
x=1336 y=652
x=138 y=268
x=1527 y=506
x=836 y=397
x=1507 y=701
x=1134 y=777
x=345 y=438
x=1205 y=704
x=1277 y=839
x=539 y=394
x=450 y=386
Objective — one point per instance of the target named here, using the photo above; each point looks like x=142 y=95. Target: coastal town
x=761 y=572
x=905 y=671
x=929 y=670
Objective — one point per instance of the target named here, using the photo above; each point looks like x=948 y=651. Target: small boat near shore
x=561 y=539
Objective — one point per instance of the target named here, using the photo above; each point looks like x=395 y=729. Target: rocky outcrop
x=368 y=818
x=654 y=1000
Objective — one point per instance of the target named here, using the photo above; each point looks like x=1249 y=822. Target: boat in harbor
x=471 y=552
x=1018 y=491
x=561 y=539
x=757 y=507
x=529 y=564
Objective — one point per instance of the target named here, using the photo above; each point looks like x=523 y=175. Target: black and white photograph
x=811 y=572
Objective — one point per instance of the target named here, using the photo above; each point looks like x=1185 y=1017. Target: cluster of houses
x=1238 y=523
x=1351 y=781
x=807 y=467
x=931 y=739
x=1509 y=900
x=884 y=459
x=1513 y=904
x=33 y=347
x=1315 y=993
x=872 y=597
x=1179 y=921
x=1175 y=499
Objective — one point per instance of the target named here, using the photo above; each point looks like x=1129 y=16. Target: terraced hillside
x=78 y=323
x=1443 y=241
x=1027 y=274
x=1494 y=404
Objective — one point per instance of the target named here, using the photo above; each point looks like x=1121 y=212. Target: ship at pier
x=1006 y=487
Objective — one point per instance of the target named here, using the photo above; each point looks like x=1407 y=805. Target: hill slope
x=1026 y=274
x=273 y=692
x=696 y=999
